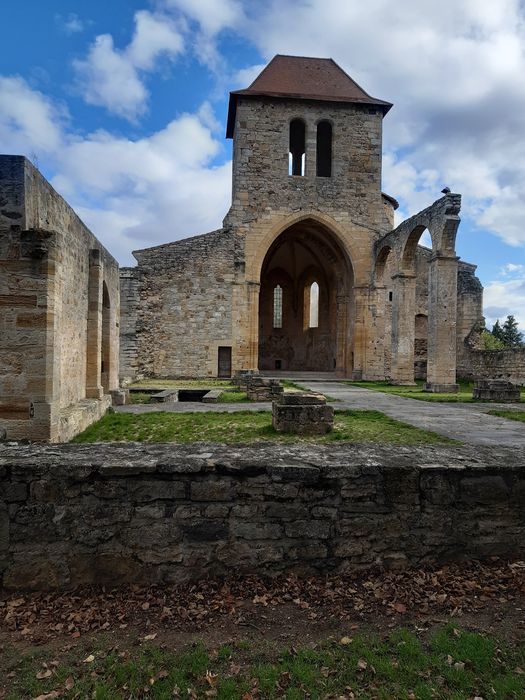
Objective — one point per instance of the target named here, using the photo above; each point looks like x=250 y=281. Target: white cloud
x=138 y=193
x=29 y=121
x=154 y=35
x=132 y=193
x=504 y=297
x=70 y=24
x=112 y=78
x=212 y=15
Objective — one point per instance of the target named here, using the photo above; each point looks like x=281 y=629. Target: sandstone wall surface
x=185 y=298
x=261 y=180
x=108 y=514
x=494 y=364
x=44 y=278
x=129 y=320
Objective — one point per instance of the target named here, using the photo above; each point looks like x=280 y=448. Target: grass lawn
x=233 y=397
x=449 y=664
x=513 y=415
x=464 y=394
x=248 y=427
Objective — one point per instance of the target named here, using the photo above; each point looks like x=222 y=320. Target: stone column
x=375 y=347
x=360 y=331
x=442 y=317
x=342 y=339
x=403 y=328
x=94 y=388
x=44 y=375
x=245 y=326
x=253 y=338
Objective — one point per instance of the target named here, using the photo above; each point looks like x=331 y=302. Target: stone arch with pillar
x=441 y=220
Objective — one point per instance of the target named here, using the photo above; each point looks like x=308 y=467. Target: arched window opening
x=278 y=307
x=297 y=155
x=314 y=306
x=324 y=149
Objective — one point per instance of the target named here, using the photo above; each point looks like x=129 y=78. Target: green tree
x=490 y=342
x=511 y=335
x=497 y=331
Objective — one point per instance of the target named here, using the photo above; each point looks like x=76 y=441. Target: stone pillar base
x=400 y=382
x=119 y=397
x=94 y=392
x=434 y=388
x=302 y=414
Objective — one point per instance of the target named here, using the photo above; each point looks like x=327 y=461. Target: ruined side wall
x=185 y=305
x=25 y=322
x=129 y=305
x=47 y=210
x=506 y=364
x=469 y=311
x=44 y=258
x=107 y=514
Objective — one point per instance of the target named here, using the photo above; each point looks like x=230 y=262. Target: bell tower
x=305 y=135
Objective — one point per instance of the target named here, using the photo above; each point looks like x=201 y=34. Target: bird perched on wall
x=446 y=190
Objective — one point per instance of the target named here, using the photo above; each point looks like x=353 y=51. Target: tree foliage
x=507 y=335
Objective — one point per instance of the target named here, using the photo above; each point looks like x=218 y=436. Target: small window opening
x=278 y=307
x=390 y=296
x=278 y=364
x=324 y=149
x=297 y=155
x=314 y=305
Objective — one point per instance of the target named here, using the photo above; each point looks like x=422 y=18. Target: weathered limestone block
x=120 y=397
x=303 y=414
x=242 y=377
x=263 y=389
x=496 y=390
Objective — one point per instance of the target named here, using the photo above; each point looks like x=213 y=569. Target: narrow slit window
x=314 y=305
x=297 y=154
x=278 y=307
x=324 y=149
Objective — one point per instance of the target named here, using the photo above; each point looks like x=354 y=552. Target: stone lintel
x=441 y=256
x=404 y=275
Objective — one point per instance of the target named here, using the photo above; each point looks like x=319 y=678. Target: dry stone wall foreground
x=109 y=514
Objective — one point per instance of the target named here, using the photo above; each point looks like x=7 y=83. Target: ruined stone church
x=308 y=272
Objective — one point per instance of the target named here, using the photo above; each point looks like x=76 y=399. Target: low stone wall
x=76 y=514
x=506 y=364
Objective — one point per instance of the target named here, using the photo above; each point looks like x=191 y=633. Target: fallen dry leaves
x=452 y=589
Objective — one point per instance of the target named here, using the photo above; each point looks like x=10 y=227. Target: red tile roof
x=302 y=78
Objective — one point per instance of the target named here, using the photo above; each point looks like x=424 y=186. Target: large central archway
x=305 y=299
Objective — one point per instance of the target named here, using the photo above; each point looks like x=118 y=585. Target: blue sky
x=122 y=105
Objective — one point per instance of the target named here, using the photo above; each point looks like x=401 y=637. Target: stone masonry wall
x=44 y=278
x=129 y=318
x=494 y=364
x=107 y=514
x=185 y=294
x=469 y=305
x=261 y=182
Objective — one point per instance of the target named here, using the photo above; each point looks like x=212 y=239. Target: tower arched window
x=324 y=149
x=297 y=154
x=314 y=306
x=278 y=307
